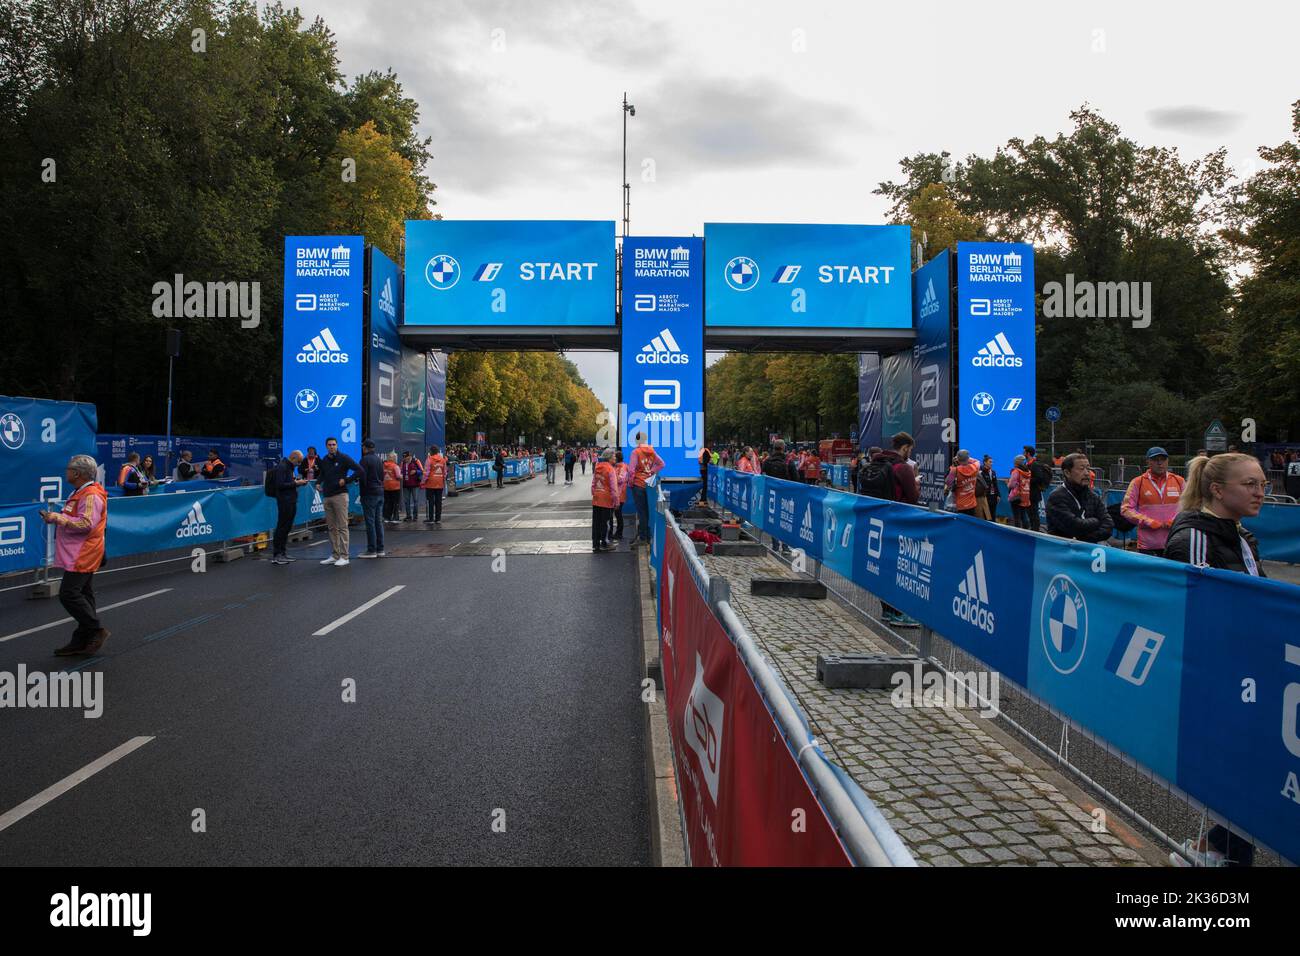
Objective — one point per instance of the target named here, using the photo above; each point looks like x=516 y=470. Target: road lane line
x=70 y=781
x=361 y=610
x=68 y=620
x=476 y=540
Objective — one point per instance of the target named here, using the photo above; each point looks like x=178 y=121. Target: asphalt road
x=496 y=717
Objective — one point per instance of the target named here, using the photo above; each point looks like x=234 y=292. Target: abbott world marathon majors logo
x=1063 y=623
x=704 y=716
x=194 y=524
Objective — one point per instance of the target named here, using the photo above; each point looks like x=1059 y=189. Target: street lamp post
x=628 y=110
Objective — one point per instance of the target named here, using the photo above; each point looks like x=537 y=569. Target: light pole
x=628 y=110
x=173 y=352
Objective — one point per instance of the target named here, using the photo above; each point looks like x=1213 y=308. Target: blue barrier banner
x=931 y=373
x=37 y=437
x=782 y=275
x=995 y=336
x=510 y=272
x=1152 y=656
x=472 y=472
x=323 y=348
x=245 y=458
x=22 y=537
x=1277 y=529
x=661 y=383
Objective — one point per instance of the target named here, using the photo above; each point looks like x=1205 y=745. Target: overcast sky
x=794 y=112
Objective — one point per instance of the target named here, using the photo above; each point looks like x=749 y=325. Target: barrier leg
x=44 y=586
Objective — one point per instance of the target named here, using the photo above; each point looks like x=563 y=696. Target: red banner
x=744 y=798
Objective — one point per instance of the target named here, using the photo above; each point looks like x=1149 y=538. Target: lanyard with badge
x=1248 y=557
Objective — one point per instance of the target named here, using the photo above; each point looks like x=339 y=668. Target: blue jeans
x=372 y=507
x=642 y=512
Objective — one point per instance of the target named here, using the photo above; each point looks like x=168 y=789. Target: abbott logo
x=971 y=603
x=662 y=350
x=875 y=537
x=1134 y=652
x=323 y=349
x=644 y=302
x=929 y=397
x=13 y=532
x=194 y=525
x=998 y=353
x=662 y=394
x=703 y=725
x=386 y=389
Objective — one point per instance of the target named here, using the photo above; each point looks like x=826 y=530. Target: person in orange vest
x=961 y=480
x=435 y=480
x=646 y=463
x=1151 y=502
x=812 y=468
x=604 y=492
x=131 y=479
x=748 y=461
x=214 y=467
x=79 y=551
x=392 y=487
x=1018 y=496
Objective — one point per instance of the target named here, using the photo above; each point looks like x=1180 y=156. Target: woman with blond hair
x=1207 y=533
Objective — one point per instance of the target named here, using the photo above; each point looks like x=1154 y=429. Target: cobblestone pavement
x=956 y=789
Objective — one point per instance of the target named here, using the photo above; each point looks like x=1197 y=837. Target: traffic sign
x=1053 y=414
x=1216 y=437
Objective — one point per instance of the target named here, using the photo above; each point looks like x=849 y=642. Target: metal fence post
x=924 y=646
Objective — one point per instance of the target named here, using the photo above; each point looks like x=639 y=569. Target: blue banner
x=808 y=276
x=22 y=537
x=870 y=407
x=323 y=348
x=384 y=364
x=662 y=362
x=931 y=373
x=510 y=273
x=896 y=396
x=1150 y=655
x=37 y=437
x=996 y=340
x=245 y=458
x=435 y=416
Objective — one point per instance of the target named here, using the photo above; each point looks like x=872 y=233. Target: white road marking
x=317 y=543
x=68 y=620
x=70 y=781
x=476 y=540
x=361 y=610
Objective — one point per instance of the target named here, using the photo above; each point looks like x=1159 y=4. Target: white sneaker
x=330 y=560
x=341 y=562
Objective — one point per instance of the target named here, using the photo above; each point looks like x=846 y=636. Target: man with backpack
x=282 y=484
x=890 y=476
x=551 y=460
x=775 y=465
x=1040 y=479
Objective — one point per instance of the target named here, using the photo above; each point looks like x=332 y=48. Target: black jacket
x=1208 y=541
x=775 y=466
x=286 y=474
x=1073 y=511
x=372 y=476
x=332 y=469
x=499 y=462
x=991 y=479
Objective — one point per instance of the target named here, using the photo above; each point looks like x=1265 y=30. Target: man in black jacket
x=372 y=499
x=1073 y=510
x=1040 y=479
x=287 y=483
x=775 y=465
x=499 y=466
x=337 y=471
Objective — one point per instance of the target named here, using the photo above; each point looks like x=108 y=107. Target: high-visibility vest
x=435 y=472
x=602 y=485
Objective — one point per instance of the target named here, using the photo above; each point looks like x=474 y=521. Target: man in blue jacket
x=336 y=472
x=287 y=483
x=372 y=499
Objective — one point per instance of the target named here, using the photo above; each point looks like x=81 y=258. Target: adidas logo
x=930 y=300
x=805 y=527
x=317 y=506
x=323 y=348
x=997 y=354
x=971 y=603
x=662 y=350
x=386 y=303
x=194 y=525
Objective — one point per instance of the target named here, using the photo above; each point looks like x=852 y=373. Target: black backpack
x=270 y=482
x=1040 y=476
x=1117 y=516
x=876 y=478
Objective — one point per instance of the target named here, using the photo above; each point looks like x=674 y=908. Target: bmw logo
x=12 y=431
x=442 y=271
x=983 y=403
x=830 y=525
x=742 y=273
x=306 y=400
x=1063 y=622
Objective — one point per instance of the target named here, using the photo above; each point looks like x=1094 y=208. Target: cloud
x=1195 y=120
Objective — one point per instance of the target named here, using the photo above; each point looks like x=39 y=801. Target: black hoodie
x=1205 y=540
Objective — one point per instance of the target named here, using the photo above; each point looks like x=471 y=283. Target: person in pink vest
x=1151 y=502
x=79 y=551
